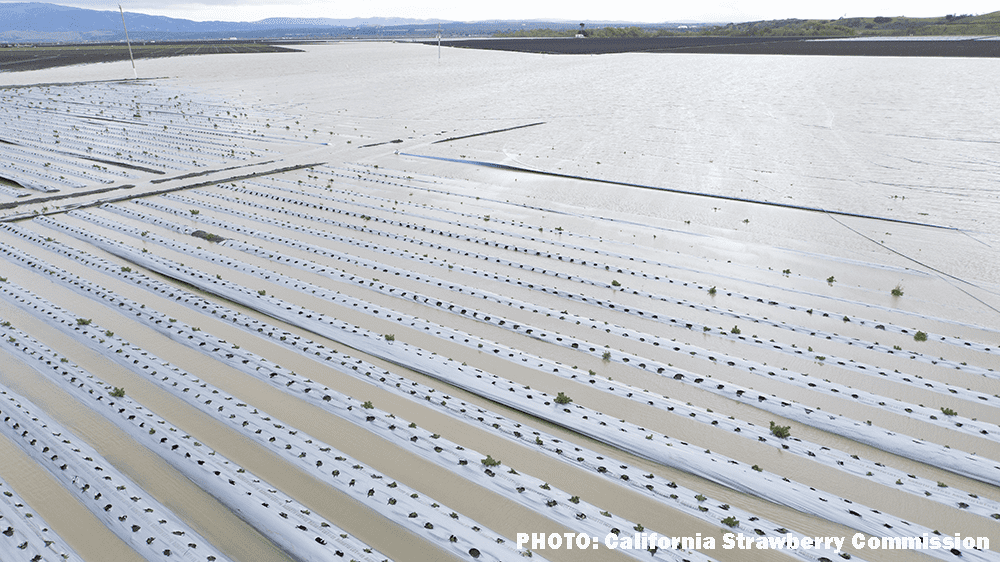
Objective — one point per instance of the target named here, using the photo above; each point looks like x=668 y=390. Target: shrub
x=731 y=521
x=490 y=461
x=563 y=399
x=780 y=431
x=898 y=291
x=118 y=392
x=920 y=336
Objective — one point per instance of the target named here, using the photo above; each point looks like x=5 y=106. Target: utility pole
x=134 y=73
x=439 y=41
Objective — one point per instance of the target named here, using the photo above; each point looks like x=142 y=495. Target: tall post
x=439 y=41
x=134 y=73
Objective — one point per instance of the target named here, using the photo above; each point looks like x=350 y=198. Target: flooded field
x=290 y=304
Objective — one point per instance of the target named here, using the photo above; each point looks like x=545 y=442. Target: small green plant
x=898 y=291
x=262 y=292
x=757 y=468
x=562 y=399
x=118 y=392
x=109 y=333
x=575 y=499
x=831 y=280
x=712 y=291
x=83 y=321
x=700 y=498
x=194 y=211
x=781 y=431
x=606 y=356
x=949 y=412
x=735 y=330
x=368 y=405
x=731 y=521
x=490 y=461
x=920 y=336
x=389 y=337
x=786 y=271
x=615 y=283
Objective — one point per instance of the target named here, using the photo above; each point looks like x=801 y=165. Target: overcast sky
x=472 y=10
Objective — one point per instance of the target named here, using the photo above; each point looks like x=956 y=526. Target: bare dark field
x=49 y=56
x=742 y=46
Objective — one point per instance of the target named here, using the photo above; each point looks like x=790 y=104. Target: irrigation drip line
x=14 y=204
x=489 y=132
x=205 y=173
x=681 y=191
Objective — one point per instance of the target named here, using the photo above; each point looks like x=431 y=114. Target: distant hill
x=40 y=22
x=36 y=21
x=879 y=26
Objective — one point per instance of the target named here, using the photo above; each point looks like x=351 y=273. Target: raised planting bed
x=138 y=520
x=302 y=534
x=579 y=419
x=851 y=464
x=284 y=521
x=24 y=535
x=524 y=489
x=865 y=433
x=592 y=263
